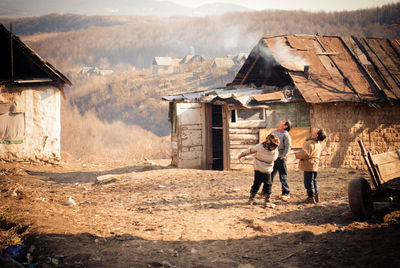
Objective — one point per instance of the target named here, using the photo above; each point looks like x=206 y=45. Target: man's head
x=285 y=124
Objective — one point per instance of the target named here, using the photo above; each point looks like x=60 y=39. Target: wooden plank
x=244 y=142
x=248 y=124
x=298 y=134
x=389 y=171
x=383 y=158
x=250 y=69
x=243 y=131
x=226 y=140
x=252 y=137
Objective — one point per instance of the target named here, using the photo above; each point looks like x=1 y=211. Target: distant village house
x=188 y=63
x=162 y=65
x=223 y=64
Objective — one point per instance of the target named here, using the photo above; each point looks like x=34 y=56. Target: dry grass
x=86 y=138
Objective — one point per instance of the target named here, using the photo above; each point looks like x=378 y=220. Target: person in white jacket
x=265 y=155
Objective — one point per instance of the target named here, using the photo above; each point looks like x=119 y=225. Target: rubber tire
x=360 y=199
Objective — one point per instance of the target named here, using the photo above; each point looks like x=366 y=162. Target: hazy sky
x=311 y=5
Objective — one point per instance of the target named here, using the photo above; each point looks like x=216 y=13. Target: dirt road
x=150 y=215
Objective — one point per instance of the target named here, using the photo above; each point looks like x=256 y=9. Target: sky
x=309 y=5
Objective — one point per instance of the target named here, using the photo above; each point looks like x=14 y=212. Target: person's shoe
x=316 y=198
x=310 y=200
x=251 y=199
x=262 y=195
x=285 y=197
x=268 y=204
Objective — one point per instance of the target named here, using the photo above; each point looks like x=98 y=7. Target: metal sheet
x=349 y=69
x=323 y=89
x=379 y=59
x=278 y=96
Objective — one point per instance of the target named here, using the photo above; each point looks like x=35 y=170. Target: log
x=252 y=137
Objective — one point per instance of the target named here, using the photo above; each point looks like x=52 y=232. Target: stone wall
x=346 y=123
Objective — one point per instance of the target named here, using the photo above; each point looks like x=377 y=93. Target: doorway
x=217 y=138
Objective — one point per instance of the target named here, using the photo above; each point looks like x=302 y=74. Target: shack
x=30 y=101
x=348 y=86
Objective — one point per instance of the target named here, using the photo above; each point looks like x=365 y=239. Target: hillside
x=86 y=40
x=21 y=8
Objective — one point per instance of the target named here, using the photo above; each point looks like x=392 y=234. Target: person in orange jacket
x=309 y=160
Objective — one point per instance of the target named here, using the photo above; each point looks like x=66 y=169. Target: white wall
x=41 y=108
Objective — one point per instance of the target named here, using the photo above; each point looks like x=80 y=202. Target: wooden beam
x=250 y=69
x=268 y=75
x=62 y=93
x=11 y=55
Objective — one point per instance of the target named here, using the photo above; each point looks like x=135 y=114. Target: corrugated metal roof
x=326 y=68
x=245 y=96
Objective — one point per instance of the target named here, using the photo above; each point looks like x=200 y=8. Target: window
x=248 y=115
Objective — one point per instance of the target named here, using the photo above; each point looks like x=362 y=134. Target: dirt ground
x=152 y=215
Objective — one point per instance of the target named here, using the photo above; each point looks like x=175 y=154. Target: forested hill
x=75 y=40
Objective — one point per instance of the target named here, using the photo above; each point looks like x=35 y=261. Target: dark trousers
x=280 y=166
x=310 y=183
x=259 y=178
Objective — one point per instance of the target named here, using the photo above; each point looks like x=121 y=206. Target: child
x=309 y=160
x=280 y=166
x=266 y=154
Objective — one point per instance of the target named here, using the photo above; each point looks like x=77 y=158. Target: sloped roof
x=163 y=61
x=326 y=68
x=196 y=58
x=187 y=58
x=223 y=63
x=28 y=66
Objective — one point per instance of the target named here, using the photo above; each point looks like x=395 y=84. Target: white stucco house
x=30 y=102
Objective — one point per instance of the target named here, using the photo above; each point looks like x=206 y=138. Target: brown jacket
x=309 y=155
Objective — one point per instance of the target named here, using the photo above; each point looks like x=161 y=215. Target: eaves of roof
x=31 y=61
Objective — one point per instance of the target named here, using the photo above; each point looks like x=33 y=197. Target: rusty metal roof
x=326 y=68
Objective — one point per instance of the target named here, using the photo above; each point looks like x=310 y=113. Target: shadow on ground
x=374 y=247
x=90 y=176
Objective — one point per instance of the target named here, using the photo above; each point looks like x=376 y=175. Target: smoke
x=287 y=57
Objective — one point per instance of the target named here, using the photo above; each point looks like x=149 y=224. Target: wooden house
x=222 y=64
x=162 y=65
x=190 y=62
x=30 y=101
x=348 y=86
